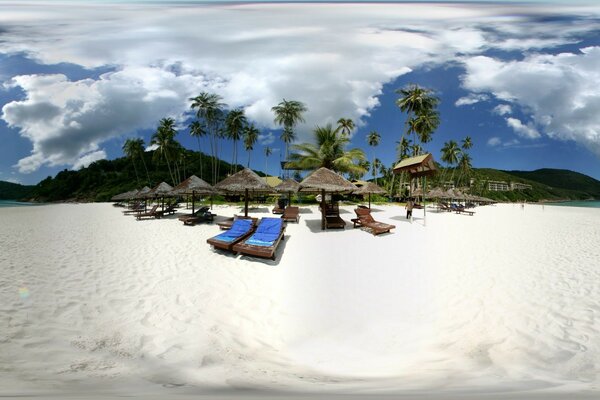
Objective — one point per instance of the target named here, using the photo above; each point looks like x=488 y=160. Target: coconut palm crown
x=329 y=151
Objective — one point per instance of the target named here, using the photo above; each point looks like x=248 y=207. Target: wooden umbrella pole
x=323 y=209
x=246 y=203
x=193 y=198
x=424 y=204
x=369 y=200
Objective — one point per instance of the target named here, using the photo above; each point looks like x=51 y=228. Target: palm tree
x=376 y=166
x=329 y=150
x=234 y=127
x=288 y=114
x=373 y=141
x=464 y=164
x=268 y=152
x=198 y=131
x=164 y=138
x=250 y=137
x=450 y=154
x=345 y=125
x=422 y=117
x=210 y=111
x=130 y=151
x=467 y=143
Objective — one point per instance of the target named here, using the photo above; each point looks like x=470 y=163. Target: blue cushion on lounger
x=267 y=232
x=239 y=228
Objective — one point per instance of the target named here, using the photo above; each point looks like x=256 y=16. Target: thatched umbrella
x=288 y=186
x=324 y=180
x=243 y=182
x=436 y=193
x=369 y=188
x=141 y=194
x=162 y=189
x=124 y=196
x=193 y=185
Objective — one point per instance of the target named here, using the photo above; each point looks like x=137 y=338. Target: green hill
x=562 y=179
x=14 y=191
x=105 y=178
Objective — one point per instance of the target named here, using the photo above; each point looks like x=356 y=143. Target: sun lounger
x=444 y=207
x=365 y=219
x=228 y=223
x=291 y=214
x=264 y=241
x=150 y=214
x=461 y=210
x=332 y=217
x=240 y=230
x=169 y=210
x=136 y=208
x=201 y=215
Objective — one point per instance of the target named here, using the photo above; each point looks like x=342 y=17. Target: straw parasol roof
x=124 y=196
x=417 y=166
x=288 y=185
x=245 y=180
x=142 y=192
x=272 y=181
x=436 y=193
x=193 y=184
x=370 y=187
x=326 y=180
x=162 y=189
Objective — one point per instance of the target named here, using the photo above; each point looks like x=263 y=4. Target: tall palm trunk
x=200 y=151
x=137 y=178
x=145 y=168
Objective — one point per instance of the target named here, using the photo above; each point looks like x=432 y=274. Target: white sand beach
x=505 y=304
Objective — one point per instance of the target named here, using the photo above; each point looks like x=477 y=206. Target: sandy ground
x=503 y=304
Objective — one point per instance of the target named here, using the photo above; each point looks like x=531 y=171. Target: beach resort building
x=519 y=186
x=498 y=186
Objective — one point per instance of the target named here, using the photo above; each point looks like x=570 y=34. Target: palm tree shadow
x=306 y=210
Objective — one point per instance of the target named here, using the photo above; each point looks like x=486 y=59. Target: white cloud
x=560 y=93
x=151 y=147
x=265 y=140
x=254 y=55
x=472 y=98
x=494 y=141
x=502 y=109
x=66 y=120
x=526 y=131
x=89 y=158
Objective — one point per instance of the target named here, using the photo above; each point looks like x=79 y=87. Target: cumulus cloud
x=253 y=55
x=267 y=139
x=502 y=109
x=560 y=92
x=526 y=131
x=66 y=121
x=494 y=141
x=89 y=158
x=471 y=99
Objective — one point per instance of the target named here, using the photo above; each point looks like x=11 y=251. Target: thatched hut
x=244 y=182
x=194 y=185
x=288 y=186
x=324 y=181
x=370 y=188
x=124 y=196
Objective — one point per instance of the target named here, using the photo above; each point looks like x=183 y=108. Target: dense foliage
x=14 y=191
x=106 y=178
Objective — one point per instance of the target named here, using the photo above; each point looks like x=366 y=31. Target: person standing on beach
x=409 y=208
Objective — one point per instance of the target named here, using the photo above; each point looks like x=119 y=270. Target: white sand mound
x=507 y=300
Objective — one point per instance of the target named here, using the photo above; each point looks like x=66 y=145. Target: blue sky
x=79 y=78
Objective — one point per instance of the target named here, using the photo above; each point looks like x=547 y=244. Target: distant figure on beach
x=409 y=208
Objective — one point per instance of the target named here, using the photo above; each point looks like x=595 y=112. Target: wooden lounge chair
x=264 y=241
x=201 y=215
x=229 y=222
x=461 y=210
x=444 y=207
x=150 y=214
x=241 y=229
x=136 y=208
x=332 y=217
x=365 y=219
x=169 y=210
x=291 y=214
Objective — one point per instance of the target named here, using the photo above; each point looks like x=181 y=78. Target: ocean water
x=12 y=203
x=588 y=204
